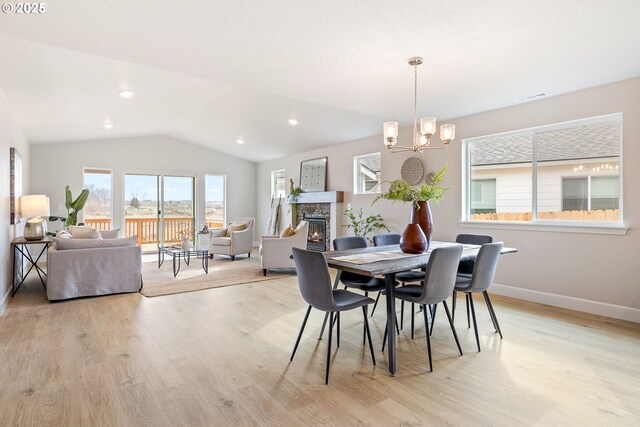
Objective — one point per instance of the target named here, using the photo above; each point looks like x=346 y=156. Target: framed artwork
x=313 y=174
x=15 y=184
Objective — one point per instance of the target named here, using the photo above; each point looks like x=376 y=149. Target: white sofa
x=88 y=267
x=276 y=251
x=239 y=242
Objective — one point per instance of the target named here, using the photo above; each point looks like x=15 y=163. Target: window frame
x=274 y=185
x=87 y=169
x=599 y=227
x=356 y=174
x=224 y=196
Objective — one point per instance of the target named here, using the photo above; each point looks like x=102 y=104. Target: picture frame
x=15 y=185
x=313 y=174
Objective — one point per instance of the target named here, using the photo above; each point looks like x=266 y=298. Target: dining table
x=387 y=261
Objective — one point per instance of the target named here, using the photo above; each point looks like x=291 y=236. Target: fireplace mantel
x=321 y=197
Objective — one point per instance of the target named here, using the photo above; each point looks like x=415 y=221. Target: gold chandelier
x=422 y=138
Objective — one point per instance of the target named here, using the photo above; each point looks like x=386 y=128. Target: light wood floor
x=221 y=357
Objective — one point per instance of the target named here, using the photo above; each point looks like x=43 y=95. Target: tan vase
x=413 y=240
x=422 y=217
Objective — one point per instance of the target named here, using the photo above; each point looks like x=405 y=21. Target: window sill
x=554 y=226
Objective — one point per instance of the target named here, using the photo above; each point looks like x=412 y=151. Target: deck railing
x=147 y=229
x=593 y=215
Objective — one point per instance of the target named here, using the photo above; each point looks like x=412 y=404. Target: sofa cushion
x=64 y=244
x=110 y=234
x=84 y=232
x=235 y=227
x=288 y=232
x=63 y=234
x=220 y=241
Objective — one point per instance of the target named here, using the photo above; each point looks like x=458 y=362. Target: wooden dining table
x=387 y=261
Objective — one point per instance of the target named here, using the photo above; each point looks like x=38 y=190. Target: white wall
x=590 y=272
x=56 y=165
x=10 y=136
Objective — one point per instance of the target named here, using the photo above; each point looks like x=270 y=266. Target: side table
x=20 y=252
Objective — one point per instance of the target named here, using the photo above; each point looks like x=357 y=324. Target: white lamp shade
x=447 y=132
x=34 y=205
x=428 y=125
x=390 y=133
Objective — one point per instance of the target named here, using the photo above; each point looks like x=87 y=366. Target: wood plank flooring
x=221 y=357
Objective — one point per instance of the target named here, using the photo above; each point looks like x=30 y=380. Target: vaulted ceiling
x=211 y=72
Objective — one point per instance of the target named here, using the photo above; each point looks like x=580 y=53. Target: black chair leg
x=492 y=312
x=453 y=328
x=364 y=332
x=326 y=377
x=467 y=296
x=338 y=331
x=304 y=323
x=376 y=304
x=413 y=309
x=426 y=328
x=366 y=312
x=368 y=333
x=401 y=314
x=384 y=340
x=454 y=297
x=433 y=318
x=475 y=323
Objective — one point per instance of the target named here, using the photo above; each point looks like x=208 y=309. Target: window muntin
x=215 y=200
x=97 y=211
x=367 y=174
x=568 y=172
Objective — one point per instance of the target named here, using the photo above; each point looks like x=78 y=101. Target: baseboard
x=588 y=306
x=4 y=300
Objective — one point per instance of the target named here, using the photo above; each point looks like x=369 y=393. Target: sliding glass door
x=178 y=208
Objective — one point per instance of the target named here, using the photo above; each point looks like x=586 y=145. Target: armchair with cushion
x=276 y=251
x=236 y=239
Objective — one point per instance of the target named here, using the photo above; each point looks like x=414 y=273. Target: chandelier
x=422 y=138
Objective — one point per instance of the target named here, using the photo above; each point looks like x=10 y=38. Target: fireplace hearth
x=316 y=238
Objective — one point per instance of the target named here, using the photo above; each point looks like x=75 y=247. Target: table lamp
x=33 y=208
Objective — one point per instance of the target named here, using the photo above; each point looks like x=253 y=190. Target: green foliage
x=74 y=206
x=363 y=226
x=293 y=197
x=401 y=191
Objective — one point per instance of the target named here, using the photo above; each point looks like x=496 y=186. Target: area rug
x=222 y=272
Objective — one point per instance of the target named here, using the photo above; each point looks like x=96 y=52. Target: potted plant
x=292 y=198
x=363 y=226
x=417 y=236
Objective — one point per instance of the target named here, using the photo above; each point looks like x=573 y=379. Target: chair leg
x=475 y=323
x=338 y=331
x=368 y=333
x=264 y=271
x=467 y=296
x=365 y=308
x=364 y=332
x=426 y=328
x=453 y=328
x=326 y=375
x=401 y=314
x=376 y=304
x=233 y=257
x=454 y=297
x=304 y=323
x=492 y=312
x=433 y=318
x=324 y=324
x=384 y=339
x=413 y=310
x=397 y=328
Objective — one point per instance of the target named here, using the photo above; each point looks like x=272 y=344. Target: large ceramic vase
x=413 y=240
x=422 y=217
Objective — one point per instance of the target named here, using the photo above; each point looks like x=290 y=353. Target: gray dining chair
x=483 y=273
x=314 y=282
x=403 y=277
x=440 y=279
x=466 y=266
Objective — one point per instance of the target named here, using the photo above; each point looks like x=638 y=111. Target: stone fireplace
x=321 y=210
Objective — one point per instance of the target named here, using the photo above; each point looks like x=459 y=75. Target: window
x=214 y=204
x=366 y=174
x=97 y=210
x=564 y=172
x=278 y=183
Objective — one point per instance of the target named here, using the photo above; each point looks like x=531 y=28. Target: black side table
x=20 y=251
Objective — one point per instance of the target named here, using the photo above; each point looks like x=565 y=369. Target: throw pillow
x=63 y=234
x=110 y=234
x=288 y=232
x=84 y=232
x=235 y=227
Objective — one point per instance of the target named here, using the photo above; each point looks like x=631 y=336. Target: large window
x=215 y=202
x=564 y=172
x=366 y=174
x=97 y=210
x=278 y=183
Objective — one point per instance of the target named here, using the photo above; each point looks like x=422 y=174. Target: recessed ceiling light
x=239 y=141
x=293 y=122
x=108 y=125
x=126 y=93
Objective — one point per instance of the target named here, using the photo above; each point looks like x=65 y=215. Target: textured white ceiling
x=211 y=72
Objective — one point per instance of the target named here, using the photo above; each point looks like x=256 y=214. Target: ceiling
x=211 y=72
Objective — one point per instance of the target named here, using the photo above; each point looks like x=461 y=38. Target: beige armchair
x=276 y=251
x=239 y=242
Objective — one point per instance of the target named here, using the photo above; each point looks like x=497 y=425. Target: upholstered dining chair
x=314 y=282
x=483 y=273
x=466 y=267
x=440 y=278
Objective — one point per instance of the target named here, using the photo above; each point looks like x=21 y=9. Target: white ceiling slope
x=212 y=71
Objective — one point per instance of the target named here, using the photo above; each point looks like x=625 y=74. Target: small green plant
x=402 y=191
x=74 y=206
x=363 y=226
x=292 y=198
